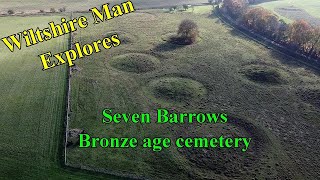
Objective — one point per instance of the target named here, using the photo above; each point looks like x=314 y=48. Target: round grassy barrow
x=135 y=62
x=176 y=89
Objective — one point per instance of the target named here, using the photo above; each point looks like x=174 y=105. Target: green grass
x=201 y=9
x=32 y=107
x=216 y=62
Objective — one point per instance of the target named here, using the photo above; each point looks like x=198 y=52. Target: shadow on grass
x=167 y=46
x=295 y=61
x=212 y=15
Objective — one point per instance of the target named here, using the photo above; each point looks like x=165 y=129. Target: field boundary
x=309 y=62
x=66 y=128
x=67 y=118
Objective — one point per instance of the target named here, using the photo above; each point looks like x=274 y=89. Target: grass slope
x=272 y=113
x=32 y=107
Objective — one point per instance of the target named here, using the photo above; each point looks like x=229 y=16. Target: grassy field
x=268 y=93
x=84 y=5
x=295 y=9
x=32 y=108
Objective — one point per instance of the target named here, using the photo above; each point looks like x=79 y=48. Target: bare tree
x=188 y=32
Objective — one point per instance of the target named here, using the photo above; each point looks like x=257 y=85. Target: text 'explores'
x=79 y=52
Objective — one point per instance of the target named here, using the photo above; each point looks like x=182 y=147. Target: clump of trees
x=187 y=34
x=52 y=10
x=260 y=19
x=186 y=7
x=10 y=11
x=299 y=36
x=63 y=9
x=235 y=7
x=173 y=8
x=215 y=2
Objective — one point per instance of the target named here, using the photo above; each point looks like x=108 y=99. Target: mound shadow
x=167 y=46
x=171 y=42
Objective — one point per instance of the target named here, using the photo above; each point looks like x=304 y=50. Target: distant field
x=32 y=107
x=84 y=5
x=223 y=72
x=309 y=9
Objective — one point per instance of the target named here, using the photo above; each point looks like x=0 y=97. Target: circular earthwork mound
x=135 y=62
x=125 y=37
x=176 y=89
x=264 y=74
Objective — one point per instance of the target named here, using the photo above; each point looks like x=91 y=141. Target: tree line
x=299 y=35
